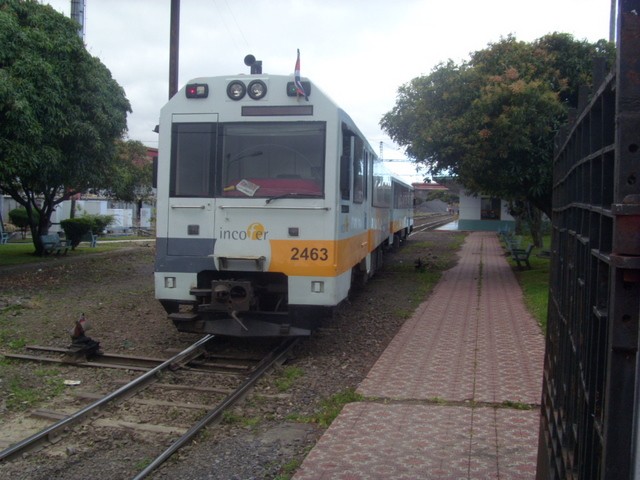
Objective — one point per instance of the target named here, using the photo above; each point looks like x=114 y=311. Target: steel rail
x=272 y=358
x=437 y=222
x=114 y=360
x=121 y=392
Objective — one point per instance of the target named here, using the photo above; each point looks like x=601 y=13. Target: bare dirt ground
x=39 y=304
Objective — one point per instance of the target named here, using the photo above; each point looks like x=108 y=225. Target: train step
x=183 y=317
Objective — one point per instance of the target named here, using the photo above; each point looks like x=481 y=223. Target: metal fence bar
x=590 y=389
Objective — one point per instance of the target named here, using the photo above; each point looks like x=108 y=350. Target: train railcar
x=270 y=205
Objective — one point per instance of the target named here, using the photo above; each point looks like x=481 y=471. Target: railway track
x=203 y=361
x=429 y=222
x=130 y=406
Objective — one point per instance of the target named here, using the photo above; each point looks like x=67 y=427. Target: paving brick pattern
x=441 y=395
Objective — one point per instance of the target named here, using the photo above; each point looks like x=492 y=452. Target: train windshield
x=268 y=160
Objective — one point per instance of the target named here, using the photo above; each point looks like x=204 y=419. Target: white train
x=269 y=206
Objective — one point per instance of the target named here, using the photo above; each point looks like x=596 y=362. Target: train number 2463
x=313 y=254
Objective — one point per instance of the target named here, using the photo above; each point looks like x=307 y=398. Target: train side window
x=192 y=159
x=345 y=192
x=345 y=163
x=359 y=171
x=381 y=195
x=401 y=196
x=365 y=174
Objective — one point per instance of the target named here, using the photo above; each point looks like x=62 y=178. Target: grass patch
x=515 y=405
x=22 y=253
x=288 y=469
x=23 y=396
x=11 y=309
x=287 y=378
x=142 y=464
x=455 y=241
x=422 y=283
x=535 y=285
x=421 y=278
x=332 y=406
x=329 y=408
x=233 y=418
x=17 y=344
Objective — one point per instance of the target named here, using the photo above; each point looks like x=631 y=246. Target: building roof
x=429 y=187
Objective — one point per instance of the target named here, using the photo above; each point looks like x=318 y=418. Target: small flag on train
x=299 y=87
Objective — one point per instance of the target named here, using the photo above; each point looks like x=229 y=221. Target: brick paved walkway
x=444 y=401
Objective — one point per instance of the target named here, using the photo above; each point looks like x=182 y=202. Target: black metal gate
x=591 y=388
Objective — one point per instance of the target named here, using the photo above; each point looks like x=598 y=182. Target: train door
x=190 y=215
x=353 y=190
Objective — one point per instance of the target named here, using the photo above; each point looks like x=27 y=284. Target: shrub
x=76 y=228
x=19 y=218
x=100 y=222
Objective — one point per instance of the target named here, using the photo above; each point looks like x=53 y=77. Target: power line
x=232 y=37
x=237 y=25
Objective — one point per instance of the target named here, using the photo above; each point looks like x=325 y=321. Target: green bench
x=4 y=235
x=521 y=256
x=53 y=244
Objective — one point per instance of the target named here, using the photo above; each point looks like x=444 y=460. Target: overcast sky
x=358 y=51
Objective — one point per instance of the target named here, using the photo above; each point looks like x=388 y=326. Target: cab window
x=269 y=159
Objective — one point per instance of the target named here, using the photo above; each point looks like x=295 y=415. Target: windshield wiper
x=292 y=195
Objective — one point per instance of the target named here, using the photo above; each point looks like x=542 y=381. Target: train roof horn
x=256 y=65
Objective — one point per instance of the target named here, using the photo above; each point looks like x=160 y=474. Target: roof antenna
x=256 y=65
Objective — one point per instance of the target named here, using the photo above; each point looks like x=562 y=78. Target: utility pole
x=77 y=14
x=174 y=47
x=612 y=22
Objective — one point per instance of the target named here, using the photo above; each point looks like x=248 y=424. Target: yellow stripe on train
x=317 y=258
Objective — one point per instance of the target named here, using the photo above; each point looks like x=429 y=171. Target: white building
x=481 y=212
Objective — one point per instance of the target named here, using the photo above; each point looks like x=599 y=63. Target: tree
x=60 y=112
x=491 y=121
x=132 y=174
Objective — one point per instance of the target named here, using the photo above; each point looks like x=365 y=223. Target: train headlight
x=169 y=282
x=257 y=89
x=236 y=90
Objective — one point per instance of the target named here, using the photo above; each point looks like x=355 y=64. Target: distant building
x=426 y=188
x=475 y=212
x=485 y=213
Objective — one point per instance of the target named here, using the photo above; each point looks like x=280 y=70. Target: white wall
x=470 y=208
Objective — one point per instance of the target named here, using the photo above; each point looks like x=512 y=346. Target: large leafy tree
x=132 y=176
x=60 y=112
x=491 y=120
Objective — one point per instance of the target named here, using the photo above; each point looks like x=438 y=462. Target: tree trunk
x=534 y=219
x=38 y=227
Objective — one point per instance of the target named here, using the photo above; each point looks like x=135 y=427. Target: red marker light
x=197 y=90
